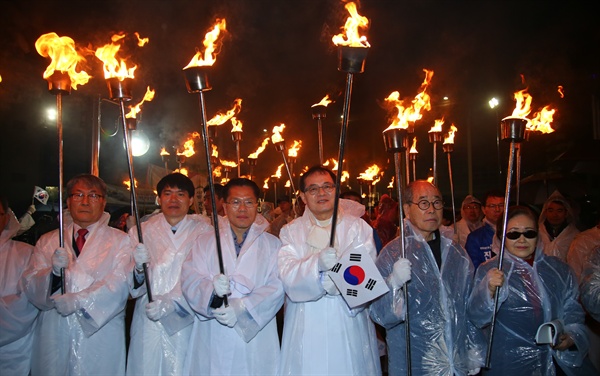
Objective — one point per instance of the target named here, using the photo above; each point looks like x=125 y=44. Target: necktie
x=81 y=233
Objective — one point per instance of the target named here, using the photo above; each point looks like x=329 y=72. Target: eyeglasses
x=314 y=189
x=93 y=197
x=236 y=203
x=495 y=206
x=514 y=235
x=424 y=204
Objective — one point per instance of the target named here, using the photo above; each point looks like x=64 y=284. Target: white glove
x=401 y=273
x=327 y=259
x=226 y=316
x=141 y=256
x=329 y=286
x=221 y=285
x=159 y=307
x=31 y=209
x=66 y=304
x=60 y=259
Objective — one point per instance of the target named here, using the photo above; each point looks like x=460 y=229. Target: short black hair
x=218 y=190
x=513 y=211
x=317 y=169
x=351 y=194
x=89 y=180
x=241 y=182
x=492 y=193
x=176 y=180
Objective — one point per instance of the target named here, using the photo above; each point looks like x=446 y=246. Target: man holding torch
x=82 y=329
x=321 y=334
x=160 y=330
x=438 y=275
x=237 y=335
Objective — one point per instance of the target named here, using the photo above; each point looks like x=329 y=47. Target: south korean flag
x=357 y=277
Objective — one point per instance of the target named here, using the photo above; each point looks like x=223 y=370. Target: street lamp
x=139 y=143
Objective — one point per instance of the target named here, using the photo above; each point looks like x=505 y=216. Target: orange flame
x=324 y=102
x=266 y=184
x=413 y=148
x=217 y=171
x=226 y=163
x=370 y=173
x=221 y=118
x=411 y=112
x=449 y=138
x=210 y=38
x=183 y=171
x=0 y=78
x=541 y=121
x=523 y=106
x=287 y=184
x=113 y=67
x=345 y=175
x=293 y=150
x=141 y=41
x=149 y=96
x=237 y=125
x=188 y=146
x=164 y=151
x=64 y=57
x=260 y=149
x=350 y=36
x=276 y=136
x=278 y=172
x=334 y=162
x=391 y=183
x=215 y=152
x=127 y=183
x=561 y=91
x=437 y=126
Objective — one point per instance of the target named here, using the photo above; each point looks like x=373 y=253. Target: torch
x=274 y=180
x=236 y=135
x=253 y=158
x=352 y=53
x=412 y=155
x=448 y=147
x=61 y=75
x=369 y=178
x=279 y=144
x=265 y=188
x=395 y=141
x=319 y=112
x=292 y=157
x=164 y=155
x=222 y=117
x=436 y=137
x=196 y=79
x=252 y=163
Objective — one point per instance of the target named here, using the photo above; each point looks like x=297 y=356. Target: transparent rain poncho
x=558 y=246
x=530 y=297
x=582 y=247
x=590 y=285
x=91 y=340
x=443 y=342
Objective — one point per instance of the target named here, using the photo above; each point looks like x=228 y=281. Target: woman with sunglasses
x=534 y=289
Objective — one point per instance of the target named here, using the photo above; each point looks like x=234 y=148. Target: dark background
x=278 y=57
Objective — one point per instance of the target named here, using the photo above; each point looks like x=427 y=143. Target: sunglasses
x=514 y=235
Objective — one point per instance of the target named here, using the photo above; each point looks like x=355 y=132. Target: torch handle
x=509 y=174
x=61 y=218
x=134 y=206
x=518 y=171
x=211 y=184
x=452 y=192
x=435 y=178
x=338 y=180
x=320 y=132
x=237 y=151
x=287 y=168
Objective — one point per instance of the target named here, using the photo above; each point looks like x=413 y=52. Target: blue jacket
x=479 y=244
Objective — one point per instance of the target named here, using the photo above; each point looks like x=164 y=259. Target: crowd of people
x=253 y=294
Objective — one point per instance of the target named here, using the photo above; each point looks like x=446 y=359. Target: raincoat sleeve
x=590 y=286
x=136 y=281
x=107 y=295
x=481 y=304
x=17 y=315
x=182 y=315
x=37 y=277
x=389 y=309
x=257 y=308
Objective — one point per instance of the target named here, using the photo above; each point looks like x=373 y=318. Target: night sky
x=279 y=59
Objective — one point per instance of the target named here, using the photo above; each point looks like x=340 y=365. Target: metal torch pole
x=448 y=150
x=61 y=219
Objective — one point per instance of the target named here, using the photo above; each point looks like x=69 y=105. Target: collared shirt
x=238 y=246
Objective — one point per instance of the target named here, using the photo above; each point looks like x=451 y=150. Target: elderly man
x=160 y=330
x=321 y=335
x=438 y=275
x=471 y=219
x=82 y=329
x=17 y=314
x=240 y=337
x=480 y=243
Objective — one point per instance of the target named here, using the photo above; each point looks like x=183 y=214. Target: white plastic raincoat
x=590 y=285
x=530 y=297
x=92 y=340
x=558 y=246
x=159 y=347
x=321 y=334
x=251 y=347
x=17 y=314
x=442 y=340
x=582 y=247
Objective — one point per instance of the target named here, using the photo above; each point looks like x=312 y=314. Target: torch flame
x=164 y=151
x=523 y=106
x=350 y=37
x=449 y=138
x=149 y=96
x=293 y=150
x=64 y=56
x=345 y=175
x=334 y=162
x=437 y=126
x=237 y=125
x=370 y=173
x=183 y=171
x=413 y=148
x=260 y=149
x=266 y=184
x=228 y=163
x=411 y=112
x=561 y=91
x=215 y=152
x=391 y=183
x=324 y=102
x=113 y=67
x=278 y=172
x=541 y=121
x=276 y=136
x=209 y=44
x=188 y=145
x=221 y=118
x=141 y=41
x=217 y=171
x=287 y=184
x=127 y=183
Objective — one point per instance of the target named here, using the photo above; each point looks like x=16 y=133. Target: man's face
x=556 y=213
x=472 y=211
x=493 y=209
x=425 y=221
x=208 y=204
x=321 y=203
x=285 y=206
x=85 y=210
x=241 y=208
x=174 y=204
